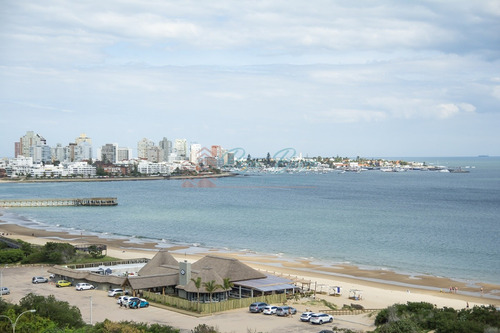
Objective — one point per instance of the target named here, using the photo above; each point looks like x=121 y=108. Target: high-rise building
x=83 y=138
x=166 y=149
x=181 y=149
x=40 y=153
x=27 y=141
x=142 y=148
x=108 y=153
x=58 y=153
x=216 y=151
x=195 y=149
x=124 y=154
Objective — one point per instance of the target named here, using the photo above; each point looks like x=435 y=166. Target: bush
x=11 y=256
x=62 y=313
x=204 y=328
x=425 y=317
x=52 y=253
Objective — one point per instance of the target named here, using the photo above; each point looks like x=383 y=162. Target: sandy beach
x=379 y=288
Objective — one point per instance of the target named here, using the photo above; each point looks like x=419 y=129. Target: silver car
x=39 y=279
x=4 y=291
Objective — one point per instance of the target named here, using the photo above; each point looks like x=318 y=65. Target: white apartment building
x=143 y=148
x=181 y=149
x=195 y=149
x=81 y=169
x=151 y=168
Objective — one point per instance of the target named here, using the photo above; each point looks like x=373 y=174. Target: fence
x=204 y=308
x=347 y=312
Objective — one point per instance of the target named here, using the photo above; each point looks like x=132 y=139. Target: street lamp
x=13 y=324
x=1 y=281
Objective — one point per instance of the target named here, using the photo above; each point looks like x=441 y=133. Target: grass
x=88 y=259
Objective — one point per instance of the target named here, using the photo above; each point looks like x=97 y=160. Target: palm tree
x=210 y=287
x=227 y=285
x=197 y=284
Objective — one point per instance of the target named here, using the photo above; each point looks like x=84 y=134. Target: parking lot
x=96 y=306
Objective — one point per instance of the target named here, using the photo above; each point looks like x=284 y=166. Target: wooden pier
x=59 y=202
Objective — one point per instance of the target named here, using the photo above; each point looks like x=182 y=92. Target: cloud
x=340 y=116
x=253 y=64
x=449 y=110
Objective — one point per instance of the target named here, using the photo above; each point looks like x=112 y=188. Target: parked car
x=84 y=286
x=326 y=331
x=257 y=307
x=320 y=318
x=122 y=300
x=270 y=310
x=115 y=292
x=63 y=283
x=4 y=291
x=285 y=311
x=39 y=279
x=305 y=316
x=136 y=303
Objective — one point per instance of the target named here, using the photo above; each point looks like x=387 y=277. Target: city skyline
x=327 y=78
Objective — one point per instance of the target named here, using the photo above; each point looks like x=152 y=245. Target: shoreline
x=111 y=179
x=392 y=287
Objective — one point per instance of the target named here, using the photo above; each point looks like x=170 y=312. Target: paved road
x=18 y=280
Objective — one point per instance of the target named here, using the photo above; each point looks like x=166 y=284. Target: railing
x=346 y=312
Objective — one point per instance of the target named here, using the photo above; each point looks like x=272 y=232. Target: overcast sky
x=349 y=78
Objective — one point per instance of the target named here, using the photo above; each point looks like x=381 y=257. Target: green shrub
x=11 y=256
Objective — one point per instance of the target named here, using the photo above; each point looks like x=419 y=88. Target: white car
x=122 y=300
x=270 y=310
x=84 y=286
x=115 y=292
x=320 y=318
x=306 y=316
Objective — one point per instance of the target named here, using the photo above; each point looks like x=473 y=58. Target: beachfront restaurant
x=164 y=275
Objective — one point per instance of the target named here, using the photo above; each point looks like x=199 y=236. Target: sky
x=349 y=78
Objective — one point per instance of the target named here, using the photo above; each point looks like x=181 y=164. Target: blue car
x=136 y=303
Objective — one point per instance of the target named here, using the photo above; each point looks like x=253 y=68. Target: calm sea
x=417 y=222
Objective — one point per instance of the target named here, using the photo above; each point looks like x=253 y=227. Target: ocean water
x=416 y=222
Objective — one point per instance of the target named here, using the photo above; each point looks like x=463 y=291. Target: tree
x=227 y=285
x=100 y=171
x=95 y=252
x=197 y=284
x=211 y=287
x=62 y=313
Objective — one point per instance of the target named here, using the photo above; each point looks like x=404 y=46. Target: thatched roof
x=86 y=275
x=206 y=274
x=153 y=281
x=162 y=263
x=230 y=268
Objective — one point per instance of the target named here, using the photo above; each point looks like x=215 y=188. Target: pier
x=59 y=202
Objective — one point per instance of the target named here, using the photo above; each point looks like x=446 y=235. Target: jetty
x=59 y=202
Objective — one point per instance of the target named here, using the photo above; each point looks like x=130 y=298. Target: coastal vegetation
x=54 y=316
x=425 y=317
x=50 y=253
